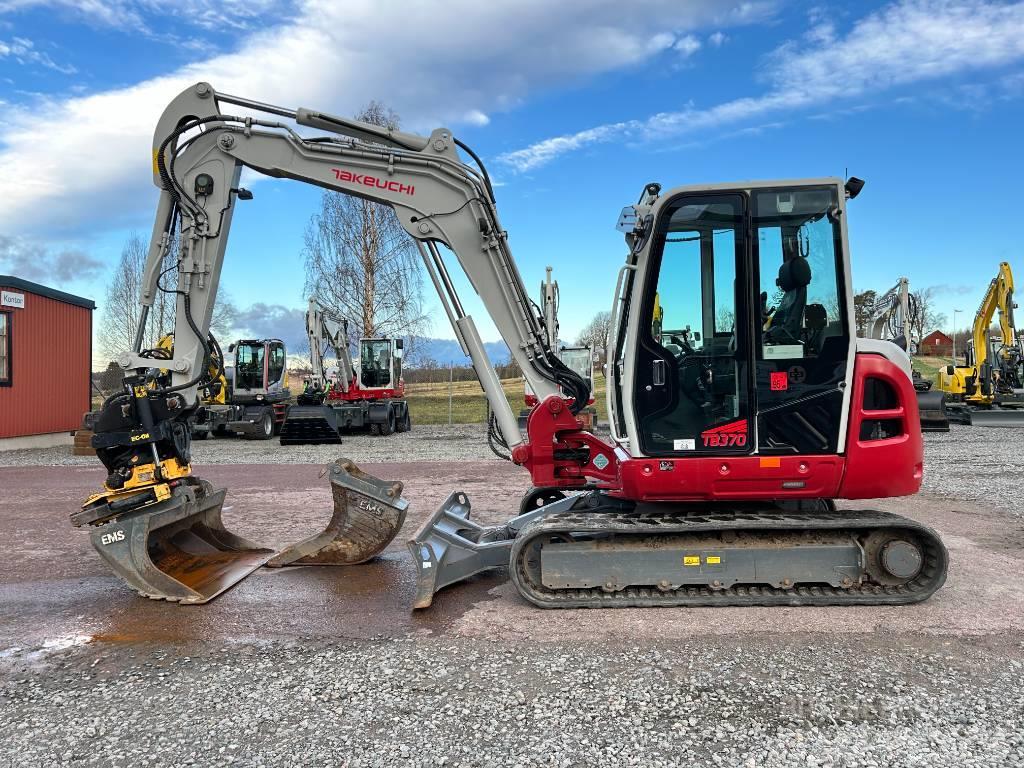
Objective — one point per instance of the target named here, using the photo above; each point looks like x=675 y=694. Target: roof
x=7 y=281
x=937 y=335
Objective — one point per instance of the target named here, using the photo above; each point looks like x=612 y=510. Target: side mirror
x=399 y=344
x=854 y=186
x=949 y=370
x=231 y=348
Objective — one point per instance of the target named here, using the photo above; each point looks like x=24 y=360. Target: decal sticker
x=779 y=381
x=732 y=435
x=713 y=560
x=110 y=538
x=691 y=560
x=600 y=461
x=665 y=466
x=689 y=444
x=798 y=374
x=367 y=180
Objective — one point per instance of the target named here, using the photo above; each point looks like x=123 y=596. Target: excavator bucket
x=368 y=513
x=310 y=424
x=932 y=408
x=175 y=549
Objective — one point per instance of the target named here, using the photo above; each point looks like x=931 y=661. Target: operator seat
x=794 y=277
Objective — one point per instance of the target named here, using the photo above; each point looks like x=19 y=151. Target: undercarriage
x=596 y=551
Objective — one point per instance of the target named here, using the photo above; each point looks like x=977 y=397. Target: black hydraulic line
x=480 y=164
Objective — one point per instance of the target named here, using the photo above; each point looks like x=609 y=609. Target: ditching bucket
x=932 y=409
x=310 y=425
x=178 y=549
x=368 y=513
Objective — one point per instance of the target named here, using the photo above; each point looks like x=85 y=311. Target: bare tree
x=361 y=263
x=121 y=310
x=595 y=334
x=926 y=318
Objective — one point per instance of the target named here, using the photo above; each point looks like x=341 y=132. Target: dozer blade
x=996 y=417
x=178 y=549
x=932 y=407
x=449 y=547
x=368 y=513
x=309 y=425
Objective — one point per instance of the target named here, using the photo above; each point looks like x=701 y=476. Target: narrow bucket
x=178 y=549
x=368 y=513
x=310 y=425
x=932 y=408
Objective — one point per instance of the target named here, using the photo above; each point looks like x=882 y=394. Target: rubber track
x=931 y=577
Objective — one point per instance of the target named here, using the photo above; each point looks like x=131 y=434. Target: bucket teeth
x=178 y=549
x=368 y=513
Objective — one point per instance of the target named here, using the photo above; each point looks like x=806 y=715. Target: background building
x=936 y=344
x=45 y=363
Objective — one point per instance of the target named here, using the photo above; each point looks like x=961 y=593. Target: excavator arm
x=199 y=151
x=322 y=325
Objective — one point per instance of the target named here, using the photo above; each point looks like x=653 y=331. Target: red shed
x=45 y=359
x=936 y=344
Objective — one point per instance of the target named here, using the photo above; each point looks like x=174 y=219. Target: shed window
x=5 y=349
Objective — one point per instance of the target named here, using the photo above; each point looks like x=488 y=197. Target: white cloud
x=24 y=51
x=687 y=45
x=476 y=117
x=907 y=42
x=93 y=170
x=138 y=15
x=33 y=261
x=717 y=39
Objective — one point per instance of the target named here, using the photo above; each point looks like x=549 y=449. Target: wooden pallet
x=83 y=443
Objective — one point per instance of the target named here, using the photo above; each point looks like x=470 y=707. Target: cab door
x=693 y=361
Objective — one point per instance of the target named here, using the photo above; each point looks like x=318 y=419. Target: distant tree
x=863 y=303
x=595 y=335
x=361 y=263
x=122 y=311
x=927 y=318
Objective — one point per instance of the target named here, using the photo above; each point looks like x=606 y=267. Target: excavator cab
x=714 y=375
x=380 y=364
x=260 y=368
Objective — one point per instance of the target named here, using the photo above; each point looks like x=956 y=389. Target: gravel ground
x=968 y=463
x=977 y=464
x=419 y=703
x=459 y=442
x=484 y=679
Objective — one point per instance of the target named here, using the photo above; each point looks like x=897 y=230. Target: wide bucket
x=178 y=549
x=368 y=513
x=310 y=425
x=997 y=417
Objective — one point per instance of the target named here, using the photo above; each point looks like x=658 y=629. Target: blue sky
x=572 y=105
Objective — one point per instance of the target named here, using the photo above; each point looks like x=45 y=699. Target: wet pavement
x=54 y=586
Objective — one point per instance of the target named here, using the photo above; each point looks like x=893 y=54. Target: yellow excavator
x=988 y=390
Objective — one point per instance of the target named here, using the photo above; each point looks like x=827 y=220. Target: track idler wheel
x=368 y=513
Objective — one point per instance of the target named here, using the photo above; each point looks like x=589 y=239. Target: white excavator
x=579 y=357
x=738 y=411
x=892 y=318
x=368 y=396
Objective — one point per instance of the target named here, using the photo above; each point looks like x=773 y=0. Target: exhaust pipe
x=368 y=513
